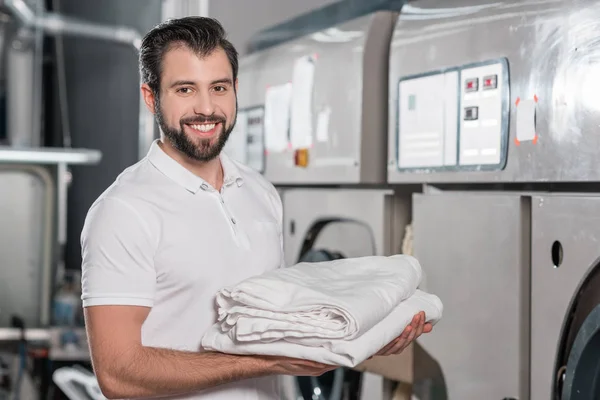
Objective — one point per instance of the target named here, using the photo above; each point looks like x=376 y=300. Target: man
x=175 y=228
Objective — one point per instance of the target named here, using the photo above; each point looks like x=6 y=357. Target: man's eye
x=184 y=90
x=220 y=88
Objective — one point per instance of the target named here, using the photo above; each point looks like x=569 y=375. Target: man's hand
x=410 y=334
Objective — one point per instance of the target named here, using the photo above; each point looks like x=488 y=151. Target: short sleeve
x=117 y=256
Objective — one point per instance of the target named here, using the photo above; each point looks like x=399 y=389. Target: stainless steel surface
x=51 y=338
x=367 y=226
x=366 y=216
x=21 y=100
x=62 y=185
x=57 y=24
x=53 y=24
x=48 y=155
x=12 y=334
x=347 y=111
x=474 y=250
x=551 y=47
x=571 y=220
x=26 y=249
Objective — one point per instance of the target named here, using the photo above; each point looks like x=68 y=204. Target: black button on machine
x=471 y=113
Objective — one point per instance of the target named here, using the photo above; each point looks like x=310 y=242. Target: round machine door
x=331 y=240
x=578 y=361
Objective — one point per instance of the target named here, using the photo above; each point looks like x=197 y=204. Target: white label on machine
x=526 y=120
x=323 y=125
x=428 y=126
x=301 y=114
x=236 y=146
x=277 y=117
x=255 y=137
x=481 y=116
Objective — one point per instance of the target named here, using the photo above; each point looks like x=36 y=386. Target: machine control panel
x=480 y=139
x=246 y=142
x=454 y=119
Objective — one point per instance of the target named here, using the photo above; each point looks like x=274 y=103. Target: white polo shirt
x=162 y=237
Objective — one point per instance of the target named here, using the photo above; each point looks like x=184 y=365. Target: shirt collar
x=184 y=177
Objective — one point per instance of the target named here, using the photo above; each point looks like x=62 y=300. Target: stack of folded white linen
x=337 y=312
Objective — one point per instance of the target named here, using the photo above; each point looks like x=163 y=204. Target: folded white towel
x=338 y=312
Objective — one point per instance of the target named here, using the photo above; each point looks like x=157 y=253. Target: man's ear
x=148 y=97
x=236 y=85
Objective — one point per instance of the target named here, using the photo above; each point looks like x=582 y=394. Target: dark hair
x=202 y=35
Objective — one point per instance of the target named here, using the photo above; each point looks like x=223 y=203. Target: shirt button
x=204 y=186
x=233 y=220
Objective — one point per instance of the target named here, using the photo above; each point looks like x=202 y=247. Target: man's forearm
x=150 y=371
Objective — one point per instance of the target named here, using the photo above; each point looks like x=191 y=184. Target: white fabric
x=337 y=312
x=160 y=237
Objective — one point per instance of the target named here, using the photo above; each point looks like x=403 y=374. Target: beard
x=198 y=149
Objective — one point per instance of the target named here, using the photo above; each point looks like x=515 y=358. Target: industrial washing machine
x=494 y=107
x=327 y=224
x=320 y=132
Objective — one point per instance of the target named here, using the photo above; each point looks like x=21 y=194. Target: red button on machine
x=472 y=85
x=490 y=82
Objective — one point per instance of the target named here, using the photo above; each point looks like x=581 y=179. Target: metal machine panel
x=565 y=238
x=246 y=143
x=325 y=103
x=474 y=250
x=539 y=127
x=368 y=219
x=26 y=218
x=356 y=222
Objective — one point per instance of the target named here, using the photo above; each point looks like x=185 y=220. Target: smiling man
x=175 y=228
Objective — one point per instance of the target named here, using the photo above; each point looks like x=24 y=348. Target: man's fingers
x=415 y=321
x=400 y=344
x=398 y=347
x=388 y=347
x=419 y=330
x=416 y=328
x=403 y=343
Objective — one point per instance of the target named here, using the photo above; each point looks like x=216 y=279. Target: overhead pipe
x=58 y=24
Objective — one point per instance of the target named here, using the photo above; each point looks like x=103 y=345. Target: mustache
x=203 y=119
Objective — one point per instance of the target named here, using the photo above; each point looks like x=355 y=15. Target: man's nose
x=204 y=104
